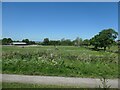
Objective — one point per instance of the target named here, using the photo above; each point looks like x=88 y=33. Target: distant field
x=63 y=61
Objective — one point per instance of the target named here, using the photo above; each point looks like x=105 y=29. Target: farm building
x=19 y=43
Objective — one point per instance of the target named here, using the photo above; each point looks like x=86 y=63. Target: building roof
x=19 y=43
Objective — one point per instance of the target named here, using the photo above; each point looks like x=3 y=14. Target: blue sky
x=39 y=20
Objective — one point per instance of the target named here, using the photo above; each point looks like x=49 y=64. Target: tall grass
x=66 y=61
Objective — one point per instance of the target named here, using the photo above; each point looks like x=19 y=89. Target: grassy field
x=6 y=85
x=65 y=61
x=23 y=85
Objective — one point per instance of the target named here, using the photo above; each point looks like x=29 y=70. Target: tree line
x=103 y=39
x=66 y=42
x=8 y=41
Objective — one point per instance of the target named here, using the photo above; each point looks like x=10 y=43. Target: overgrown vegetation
x=63 y=61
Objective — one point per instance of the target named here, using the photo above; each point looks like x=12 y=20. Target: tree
x=26 y=41
x=46 y=41
x=32 y=42
x=66 y=42
x=9 y=40
x=63 y=41
x=95 y=41
x=104 y=39
x=0 y=41
x=54 y=42
x=86 y=42
x=78 y=41
x=6 y=41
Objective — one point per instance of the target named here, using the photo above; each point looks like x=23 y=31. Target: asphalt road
x=53 y=80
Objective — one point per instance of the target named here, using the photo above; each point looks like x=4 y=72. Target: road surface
x=54 y=80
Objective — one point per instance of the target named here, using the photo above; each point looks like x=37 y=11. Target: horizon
x=55 y=21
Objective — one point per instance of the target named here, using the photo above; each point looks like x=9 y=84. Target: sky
x=57 y=20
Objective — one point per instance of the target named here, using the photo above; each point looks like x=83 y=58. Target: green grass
x=0 y=58
x=23 y=85
x=67 y=61
x=6 y=85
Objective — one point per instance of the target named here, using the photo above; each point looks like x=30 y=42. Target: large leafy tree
x=46 y=41
x=6 y=41
x=104 y=39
